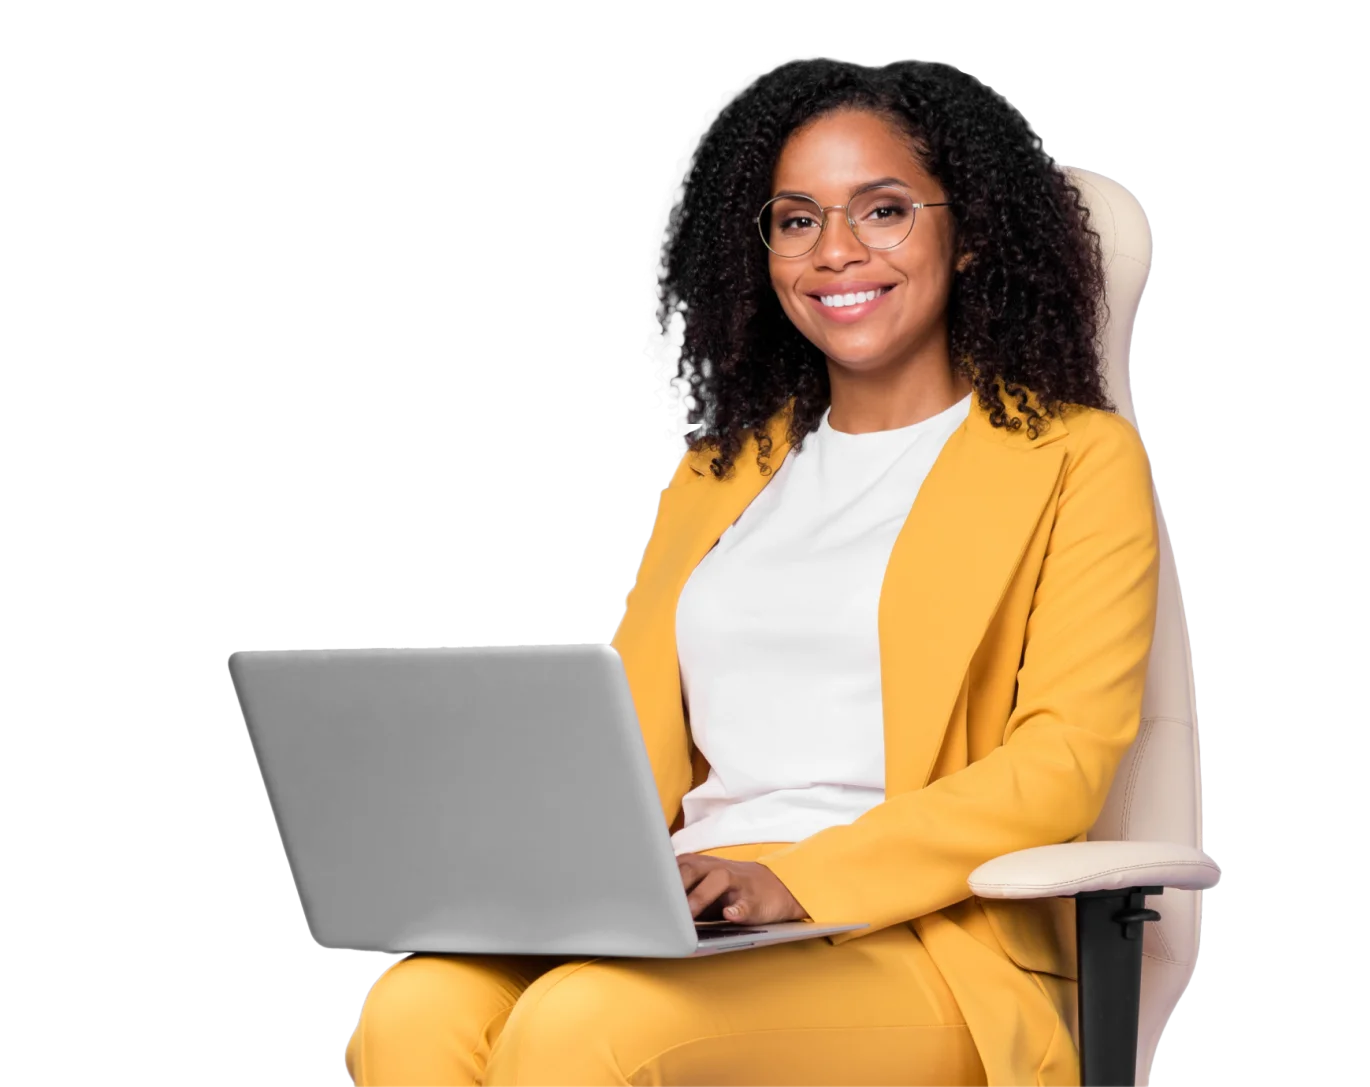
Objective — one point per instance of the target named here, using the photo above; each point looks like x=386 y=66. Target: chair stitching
x=1136 y=773
x=1160 y=935
x=1159 y=958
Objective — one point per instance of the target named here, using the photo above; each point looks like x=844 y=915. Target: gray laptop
x=479 y=799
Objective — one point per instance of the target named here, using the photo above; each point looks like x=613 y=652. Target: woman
x=851 y=700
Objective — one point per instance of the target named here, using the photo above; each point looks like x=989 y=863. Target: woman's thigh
x=870 y=1011
x=430 y=1018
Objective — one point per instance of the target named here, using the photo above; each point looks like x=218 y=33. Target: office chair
x=1134 y=959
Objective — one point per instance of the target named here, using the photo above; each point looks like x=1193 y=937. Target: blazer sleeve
x=1076 y=712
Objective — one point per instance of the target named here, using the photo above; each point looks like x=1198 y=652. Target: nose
x=838 y=244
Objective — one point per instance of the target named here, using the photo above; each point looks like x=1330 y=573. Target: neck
x=871 y=401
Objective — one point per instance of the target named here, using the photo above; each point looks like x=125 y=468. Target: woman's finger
x=707 y=891
x=692 y=868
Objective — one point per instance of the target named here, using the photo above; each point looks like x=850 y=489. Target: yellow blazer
x=1015 y=621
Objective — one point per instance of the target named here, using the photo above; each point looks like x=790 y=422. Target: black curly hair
x=1026 y=311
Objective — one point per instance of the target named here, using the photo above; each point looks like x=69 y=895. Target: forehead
x=838 y=152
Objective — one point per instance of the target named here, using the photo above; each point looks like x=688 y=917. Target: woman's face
x=829 y=160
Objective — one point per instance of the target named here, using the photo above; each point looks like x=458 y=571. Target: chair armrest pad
x=1071 y=868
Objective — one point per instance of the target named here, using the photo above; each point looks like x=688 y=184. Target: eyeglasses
x=880 y=216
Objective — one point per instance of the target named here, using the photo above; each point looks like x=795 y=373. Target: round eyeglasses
x=881 y=217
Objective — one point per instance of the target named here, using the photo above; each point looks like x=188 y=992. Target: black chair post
x=1108 y=942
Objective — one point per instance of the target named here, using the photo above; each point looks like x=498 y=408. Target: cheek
x=778 y=283
x=929 y=278
x=785 y=294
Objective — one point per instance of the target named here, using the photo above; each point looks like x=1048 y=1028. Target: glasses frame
x=917 y=206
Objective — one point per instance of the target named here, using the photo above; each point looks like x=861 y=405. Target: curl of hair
x=1026 y=312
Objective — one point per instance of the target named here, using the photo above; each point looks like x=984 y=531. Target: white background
x=275 y=377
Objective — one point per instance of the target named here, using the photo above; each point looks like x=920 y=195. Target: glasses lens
x=883 y=217
x=790 y=225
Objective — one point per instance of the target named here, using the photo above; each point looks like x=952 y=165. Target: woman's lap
x=871 y=1010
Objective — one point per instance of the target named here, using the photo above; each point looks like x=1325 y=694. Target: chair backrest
x=1155 y=796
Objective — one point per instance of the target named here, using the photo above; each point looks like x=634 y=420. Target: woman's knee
x=430 y=1011
x=567 y=1027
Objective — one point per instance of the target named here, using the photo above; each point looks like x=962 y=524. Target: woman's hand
x=744 y=891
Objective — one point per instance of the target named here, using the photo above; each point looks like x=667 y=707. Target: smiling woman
x=916 y=642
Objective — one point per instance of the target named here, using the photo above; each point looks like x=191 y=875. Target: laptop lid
x=471 y=799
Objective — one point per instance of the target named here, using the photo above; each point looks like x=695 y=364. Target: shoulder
x=1107 y=471
x=1096 y=424
x=1095 y=436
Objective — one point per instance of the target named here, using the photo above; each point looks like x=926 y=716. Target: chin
x=866 y=361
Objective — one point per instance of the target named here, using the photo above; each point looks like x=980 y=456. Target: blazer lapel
x=690 y=519
x=951 y=563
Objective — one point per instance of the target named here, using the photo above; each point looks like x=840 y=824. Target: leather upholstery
x=1155 y=797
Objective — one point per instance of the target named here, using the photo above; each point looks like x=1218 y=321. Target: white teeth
x=837 y=301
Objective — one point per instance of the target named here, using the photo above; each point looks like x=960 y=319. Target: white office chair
x=1134 y=962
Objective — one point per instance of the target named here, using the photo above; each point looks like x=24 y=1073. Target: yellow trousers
x=870 y=1011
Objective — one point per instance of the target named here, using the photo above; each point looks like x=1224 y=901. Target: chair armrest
x=1110 y=882
x=1072 y=868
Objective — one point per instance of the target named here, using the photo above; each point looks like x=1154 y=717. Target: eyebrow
x=864 y=185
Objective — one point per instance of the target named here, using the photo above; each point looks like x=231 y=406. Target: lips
x=847 y=314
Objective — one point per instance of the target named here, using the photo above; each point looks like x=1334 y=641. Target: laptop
x=474 y=799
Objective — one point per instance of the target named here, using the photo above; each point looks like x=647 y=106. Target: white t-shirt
x=776 y=630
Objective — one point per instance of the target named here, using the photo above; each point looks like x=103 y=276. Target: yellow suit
x=1015 y=621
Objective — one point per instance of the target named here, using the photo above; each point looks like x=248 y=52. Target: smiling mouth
x=847 y=313
x=859 y=298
